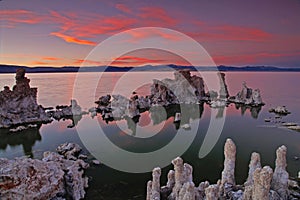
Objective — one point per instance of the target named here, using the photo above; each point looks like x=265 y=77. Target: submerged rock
x=69 y=150
x=281 y=110
x=295 y=128
x=67 y=111
x=19 y=106
x=53 y=177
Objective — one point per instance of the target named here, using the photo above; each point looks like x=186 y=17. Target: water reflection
x=159 y=114
x=132 y=123
x=26 y=138
x=75 y=119
x=254 y=110
x=192 y=112
x=220 y=113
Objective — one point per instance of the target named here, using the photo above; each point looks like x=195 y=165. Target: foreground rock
x=19 y=105
x=262 y=183
x=53 y=177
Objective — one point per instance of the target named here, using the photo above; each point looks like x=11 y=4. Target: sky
x=232 y=32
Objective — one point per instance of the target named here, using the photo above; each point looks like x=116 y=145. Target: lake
x=155 y=129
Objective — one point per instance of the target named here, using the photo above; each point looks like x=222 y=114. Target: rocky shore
x=57 y=176
x=263 y=183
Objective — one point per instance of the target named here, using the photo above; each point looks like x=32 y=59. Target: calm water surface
x=247 y=128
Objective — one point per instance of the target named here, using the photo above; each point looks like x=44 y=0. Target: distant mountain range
x=13 y=68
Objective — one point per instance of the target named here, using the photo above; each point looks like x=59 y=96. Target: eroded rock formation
x=248 y=96
x=229 y=163
x=183 y=89
x=55 y=176
x=67 y=111
x=223 y=93
x=281 y=176
x=19 y=105
x=254 y=164
x=261 y=184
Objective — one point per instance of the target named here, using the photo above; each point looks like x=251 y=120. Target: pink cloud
x=11 y=18
x=250 y=58
x=148 y=33
x=123 y=8
x=229 y=33
x=156 y=16
x=71 y=39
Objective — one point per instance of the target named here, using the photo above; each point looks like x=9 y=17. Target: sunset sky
x=233 y=32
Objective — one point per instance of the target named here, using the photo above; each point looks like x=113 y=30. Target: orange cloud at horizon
x=91 y=62
x=51 y=58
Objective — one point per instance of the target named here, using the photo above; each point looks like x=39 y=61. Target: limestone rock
x=183 y=89
x=295 y=128
x=155 y=186
x=149 y=190
x=254 y=164
x=69 y=150
x=75 y=181
x=24 y=178
x=188 y=169
x=53 y=177
x=103 y=101
x=212 y=192
x=179 y=177
x=248 y=96
x=187 y=191
x=121 y=107
x=171 y=179
x=223 y=93
x=229 y=163
x=281 y=110
x=262 y=183
x=180 y=184
x=72 y=110
x=281 y=176
x=19 y=105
